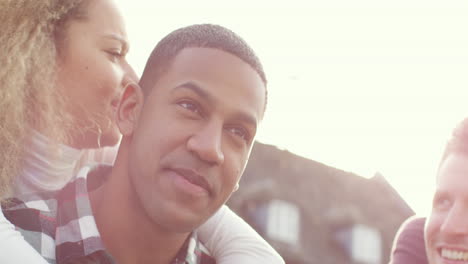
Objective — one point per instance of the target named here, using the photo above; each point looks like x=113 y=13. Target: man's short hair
x=458 y=143
x=197 y=36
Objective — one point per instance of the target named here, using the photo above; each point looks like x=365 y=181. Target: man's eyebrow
x=194 y=87
x=247 y=119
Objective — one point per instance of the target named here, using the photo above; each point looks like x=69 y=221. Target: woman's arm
x=231 y=240
x=13 y=248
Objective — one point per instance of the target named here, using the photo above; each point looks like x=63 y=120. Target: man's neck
x=127 y=232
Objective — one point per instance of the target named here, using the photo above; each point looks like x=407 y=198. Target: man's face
x=194 y=135
x=446 y=231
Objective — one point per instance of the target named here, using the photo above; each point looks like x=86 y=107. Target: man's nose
x=206 y=143
x=456 y=221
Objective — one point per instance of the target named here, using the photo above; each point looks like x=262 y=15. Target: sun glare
x=364 y=86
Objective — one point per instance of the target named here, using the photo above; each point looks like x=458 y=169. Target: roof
x=328 y=198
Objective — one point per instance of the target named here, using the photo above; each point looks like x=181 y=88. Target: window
x=283 y=221
x=362 y=243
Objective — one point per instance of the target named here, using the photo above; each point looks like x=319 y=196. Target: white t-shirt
x=231 y=240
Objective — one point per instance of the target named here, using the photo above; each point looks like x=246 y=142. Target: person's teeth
x=455 y=254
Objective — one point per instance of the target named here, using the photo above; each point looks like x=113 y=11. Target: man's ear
x=129 y=108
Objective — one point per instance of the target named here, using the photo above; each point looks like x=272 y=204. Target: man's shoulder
x=413 y=226
x=40 y=216
x=35 y=217
x=34 y=212
x=47 y=200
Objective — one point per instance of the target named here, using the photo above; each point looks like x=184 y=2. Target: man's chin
x=181 y=222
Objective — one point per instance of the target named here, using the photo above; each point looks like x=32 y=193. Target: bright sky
x=363 y=86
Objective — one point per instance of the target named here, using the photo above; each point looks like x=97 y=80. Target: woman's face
x=92 y=72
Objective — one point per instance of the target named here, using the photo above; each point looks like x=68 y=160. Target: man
x=187 y=135
x=446 y=232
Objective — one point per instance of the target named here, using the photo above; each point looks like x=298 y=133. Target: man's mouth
x=194 y=178
x=451 y=254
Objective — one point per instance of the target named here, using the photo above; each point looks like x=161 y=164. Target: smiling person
x=443 y=236
x=63 y=72
x=187 y=136
x=446 y=231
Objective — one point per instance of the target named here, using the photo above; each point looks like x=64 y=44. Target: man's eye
x=240 y=132
x=190 y=106
x=441 y=203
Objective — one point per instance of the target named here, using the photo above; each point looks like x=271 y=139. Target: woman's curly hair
x=31 y=33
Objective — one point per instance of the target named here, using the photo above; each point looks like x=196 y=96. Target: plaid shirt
x=61 y=226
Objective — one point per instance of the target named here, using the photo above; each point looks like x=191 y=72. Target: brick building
x=313 y=213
